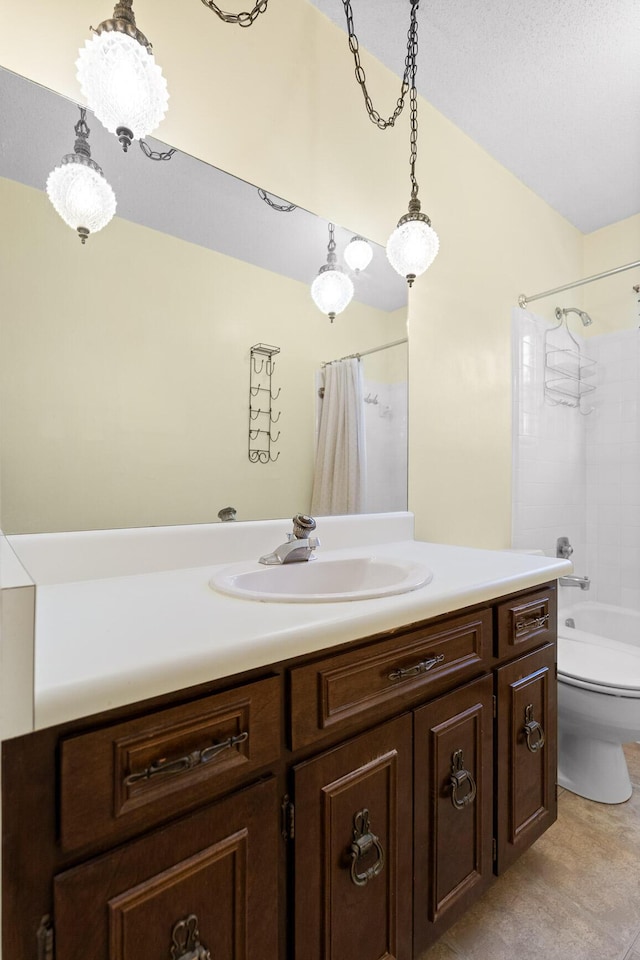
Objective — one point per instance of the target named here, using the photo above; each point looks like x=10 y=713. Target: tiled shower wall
x=578 y=475
x=613 y=470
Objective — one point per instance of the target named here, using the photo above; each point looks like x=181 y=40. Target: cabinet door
x=526 y=754
x=208 y=880
x=353 y=855
x=453 y=788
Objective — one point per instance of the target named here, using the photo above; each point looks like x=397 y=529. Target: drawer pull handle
x=532 y=730
x=463 y=786
x=423 y=667
x=535 y=623
x=194 y=759
x=363 y=842
x=185 y=940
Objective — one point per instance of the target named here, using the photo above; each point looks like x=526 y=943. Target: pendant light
x=120 y=78
x=332 y=289
x=78 y=189
x=414 y=244
x=358 y=254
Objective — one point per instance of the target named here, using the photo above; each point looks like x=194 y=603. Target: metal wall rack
x=568 y=374
x=261 y=396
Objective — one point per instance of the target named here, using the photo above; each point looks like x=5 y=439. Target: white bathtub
x=601 y=620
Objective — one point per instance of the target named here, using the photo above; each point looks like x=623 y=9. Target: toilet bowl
x=598 y=711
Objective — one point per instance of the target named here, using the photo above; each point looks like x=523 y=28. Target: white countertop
x=104 y=643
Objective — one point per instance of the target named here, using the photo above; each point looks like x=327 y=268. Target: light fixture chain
x=412 y=53
x=244 y=19
x=155 y=154
x=409 y=64
x=332 y=243
x=281 y=207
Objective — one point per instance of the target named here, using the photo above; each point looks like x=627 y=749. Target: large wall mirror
x=125 y=363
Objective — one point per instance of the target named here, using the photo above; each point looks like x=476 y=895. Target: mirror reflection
x=126 y=388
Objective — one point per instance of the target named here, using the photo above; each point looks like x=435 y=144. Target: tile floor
x=575 y=895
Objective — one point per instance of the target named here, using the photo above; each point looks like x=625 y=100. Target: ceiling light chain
x=241 y=19
x=280 y=207
x=354 y=46
x=413 y=105
x=155 y=154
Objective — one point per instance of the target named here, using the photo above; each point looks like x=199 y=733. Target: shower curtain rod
x=524 y=300
x=364 y=353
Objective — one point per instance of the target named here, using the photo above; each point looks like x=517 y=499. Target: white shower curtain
x=339 y=479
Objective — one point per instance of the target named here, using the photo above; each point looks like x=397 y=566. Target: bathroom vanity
x=350 y=800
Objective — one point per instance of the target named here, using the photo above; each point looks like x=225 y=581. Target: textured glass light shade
x=81 y=195
x=412 y=247
x=332 y=290
x=358 y=254
x=122 y=83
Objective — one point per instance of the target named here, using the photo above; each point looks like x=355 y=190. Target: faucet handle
x=303 y=526
x=563 y=548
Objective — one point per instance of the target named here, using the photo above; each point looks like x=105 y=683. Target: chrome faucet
x=583 y=582
x=299 y=546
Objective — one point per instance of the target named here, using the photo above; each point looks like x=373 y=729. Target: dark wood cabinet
x=526 y=757
x=349 y=803
x=209 y=878
x=353 y=848
x=453 y=813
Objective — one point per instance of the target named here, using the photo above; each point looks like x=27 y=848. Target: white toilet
x=598 y=711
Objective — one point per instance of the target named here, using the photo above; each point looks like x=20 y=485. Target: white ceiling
x=550 y=88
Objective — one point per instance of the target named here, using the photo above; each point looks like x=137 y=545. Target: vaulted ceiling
x=550 y=88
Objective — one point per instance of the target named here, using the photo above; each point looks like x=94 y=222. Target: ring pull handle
x=532 y=730
x=185 y=940
x=403 y=673
x=363 y=842
x=463 y=786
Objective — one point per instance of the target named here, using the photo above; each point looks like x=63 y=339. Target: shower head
x=586 y=319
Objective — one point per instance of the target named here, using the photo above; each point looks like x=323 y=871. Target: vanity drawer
x=339 y=693
x=133 y=775
x=527 y=622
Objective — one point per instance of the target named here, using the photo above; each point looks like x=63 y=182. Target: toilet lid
x=598 y=663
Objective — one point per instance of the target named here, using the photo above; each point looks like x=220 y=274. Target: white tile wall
x=577 y=475
x=613 y=470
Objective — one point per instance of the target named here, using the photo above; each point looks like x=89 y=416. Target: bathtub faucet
x=299 y=545
x=583 y=582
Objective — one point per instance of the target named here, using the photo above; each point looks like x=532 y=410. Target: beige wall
x=612 y=303
x=278 y=105
x=129 y=406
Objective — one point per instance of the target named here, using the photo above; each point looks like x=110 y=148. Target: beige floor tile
x=442 y=951
x=535 y=923
x=591 y=857
x=632 y=753
x=575 y=895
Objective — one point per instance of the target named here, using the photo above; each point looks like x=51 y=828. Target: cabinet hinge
x=495 y=706
x=495 y=850
x=288 y=818
x=45 y=938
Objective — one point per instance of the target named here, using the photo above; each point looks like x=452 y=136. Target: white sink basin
x=322 y=580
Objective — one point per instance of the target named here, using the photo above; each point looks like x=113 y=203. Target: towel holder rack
x=261 y=398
